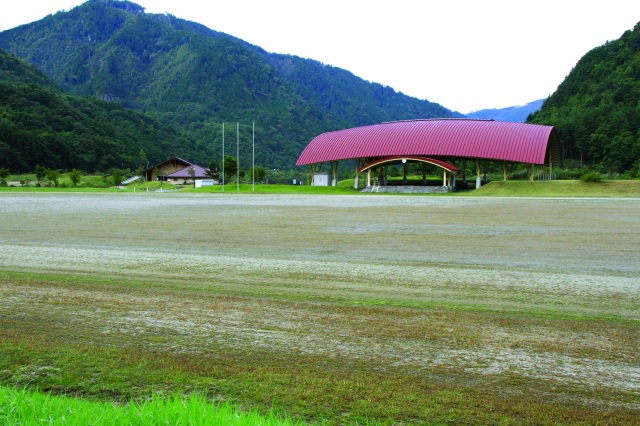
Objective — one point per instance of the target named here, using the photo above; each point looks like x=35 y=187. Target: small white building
x=321 y=179
x=205 y=182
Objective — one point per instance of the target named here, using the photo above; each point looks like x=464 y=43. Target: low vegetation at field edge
x=568 y=188
x=561 y=188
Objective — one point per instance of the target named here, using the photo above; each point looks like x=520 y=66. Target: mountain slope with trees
x=597 y=108
x=40 y=125
x=194 y=78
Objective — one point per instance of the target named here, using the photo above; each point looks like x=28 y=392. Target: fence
x=546 y=176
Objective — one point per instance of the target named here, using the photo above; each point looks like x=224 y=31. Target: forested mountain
x=41 y=125
x=597 y=107
x=194 y=78
x=517 y=114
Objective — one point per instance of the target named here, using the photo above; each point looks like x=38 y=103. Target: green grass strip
x=559 y=188
x=22 y=406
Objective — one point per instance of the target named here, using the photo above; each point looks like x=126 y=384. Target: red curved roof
x=462 y=138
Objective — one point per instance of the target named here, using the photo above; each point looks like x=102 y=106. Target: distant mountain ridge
x=516 y=114
x=193 y=78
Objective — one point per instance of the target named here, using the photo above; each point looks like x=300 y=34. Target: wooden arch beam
x=398 y=158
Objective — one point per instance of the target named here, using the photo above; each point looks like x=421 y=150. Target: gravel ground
x=293 y=270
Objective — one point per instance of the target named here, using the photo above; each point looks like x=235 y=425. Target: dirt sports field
x=401 y=309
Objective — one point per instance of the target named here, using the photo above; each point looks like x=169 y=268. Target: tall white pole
x=253 y=157
x=237 y=157
x=223 y=157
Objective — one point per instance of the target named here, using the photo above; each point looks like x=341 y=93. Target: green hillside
x=194 y=78
x=597 y=108
x=41 y=125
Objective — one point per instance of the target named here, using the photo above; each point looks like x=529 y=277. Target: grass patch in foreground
x=21 y=406
x=560 y=188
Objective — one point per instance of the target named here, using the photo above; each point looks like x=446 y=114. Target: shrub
x=519 y=175
x=569 y=174
x=591 y=177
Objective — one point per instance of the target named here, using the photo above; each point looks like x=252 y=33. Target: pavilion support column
x=453 y=180
x=334 y=172
x=533 y=171
x=369 y=177
x=444 y=178
x=404 y=173
x=356 y=182
x=464 y=171
x=478 y=175
x=484 y=177
x=504 y=170
x=530 y=171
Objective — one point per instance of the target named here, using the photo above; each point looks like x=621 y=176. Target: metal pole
x=253 y=156
x=223 y=157
x=237 y=157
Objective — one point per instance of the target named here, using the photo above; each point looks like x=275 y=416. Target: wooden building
x=177 y=171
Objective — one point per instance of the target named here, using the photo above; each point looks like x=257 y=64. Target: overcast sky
x=465 y=55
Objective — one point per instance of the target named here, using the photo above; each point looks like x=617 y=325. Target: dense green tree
x=257 y=173
x=230 y=168
x=117 y=178
x=53 y=176
x=4 y=173
x=140 y=172
x=142 y=159
x=212 y=170
x=75 y=175
x=40 y=172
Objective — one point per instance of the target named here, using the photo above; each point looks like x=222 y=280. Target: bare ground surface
x=462 y=289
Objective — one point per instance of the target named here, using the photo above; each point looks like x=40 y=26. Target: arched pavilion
x=440 y=142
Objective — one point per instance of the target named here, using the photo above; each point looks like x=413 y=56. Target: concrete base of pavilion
x=397 y=189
